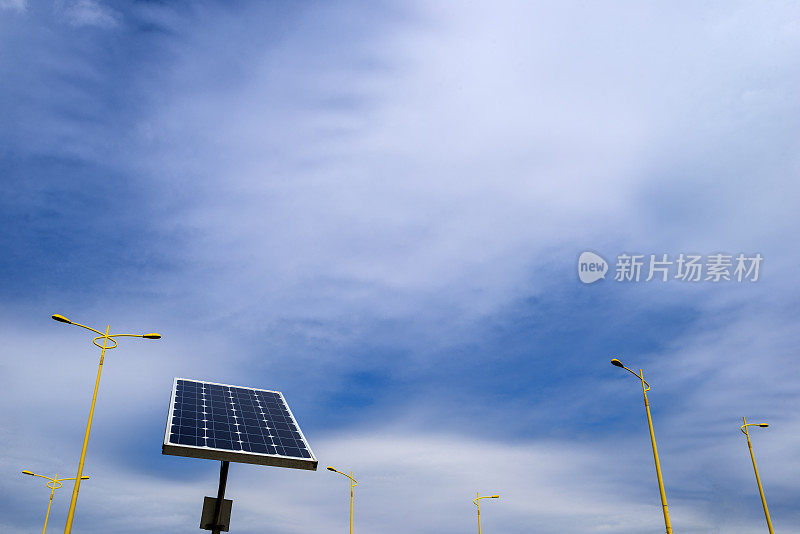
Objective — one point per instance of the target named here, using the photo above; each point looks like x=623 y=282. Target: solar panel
x=237 y=424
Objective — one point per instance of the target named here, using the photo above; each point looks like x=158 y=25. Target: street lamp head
x=763 y=425
x=27 y=473
x=61 y=319
x=153 y=335
x=84 y=478
x=617 y=363
x=495 y=496
x=330 y=468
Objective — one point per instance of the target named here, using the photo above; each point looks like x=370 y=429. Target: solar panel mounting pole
x=223 y=480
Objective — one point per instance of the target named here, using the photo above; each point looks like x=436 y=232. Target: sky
x=378 y=209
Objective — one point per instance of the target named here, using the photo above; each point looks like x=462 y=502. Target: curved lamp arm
x=618 y=363
x=40 y=476
x=56 y=479
x=153 y=335
x=353 y=480
x=743 y=428
x=73 y=478
x=62 y=319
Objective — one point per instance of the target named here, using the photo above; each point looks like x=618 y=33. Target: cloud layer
x=377 y=209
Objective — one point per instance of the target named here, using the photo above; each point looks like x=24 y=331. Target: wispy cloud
x=90 y=13
x=14 y=5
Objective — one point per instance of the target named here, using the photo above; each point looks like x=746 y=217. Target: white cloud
x=90 y=13
x=406 y=482
x=435 y=170
x=14 y=5
x=403 y=464
x=433 y=478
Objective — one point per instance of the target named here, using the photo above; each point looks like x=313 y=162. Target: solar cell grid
x=254 y=423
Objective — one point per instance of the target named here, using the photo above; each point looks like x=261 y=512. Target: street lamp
x=477 y=502
x=645 y=389
x=353 y=484
x=106 y=338
x=54 y=484
x=758 y=480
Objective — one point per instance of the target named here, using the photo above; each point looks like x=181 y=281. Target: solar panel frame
x=241 y=456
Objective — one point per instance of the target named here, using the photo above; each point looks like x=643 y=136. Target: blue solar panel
x=222 y=422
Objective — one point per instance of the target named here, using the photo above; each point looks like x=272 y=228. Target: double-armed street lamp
x=53 y=484
x=106 y=337
x=353 y=484
x=645 y=389
x=477 y=502
x=758 y=480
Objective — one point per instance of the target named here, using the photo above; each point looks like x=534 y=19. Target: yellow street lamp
x=54 y=484
x=353 y=484
x=106 y=338
x=645 y=389
x=758 y=480
x=477 y=502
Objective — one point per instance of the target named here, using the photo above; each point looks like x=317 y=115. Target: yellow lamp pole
x=645 y=389
x=54 y=484
x=758 y=480
x=353 y=484
x=106 y=338
x=477 y=502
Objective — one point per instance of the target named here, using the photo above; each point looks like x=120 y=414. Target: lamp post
x=54 y=484
x=353 y=484
x=477 y=502
x=105 y=346
x=758 y=480
x=645 y=389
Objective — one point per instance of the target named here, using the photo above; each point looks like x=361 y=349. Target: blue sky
x=377 y=209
